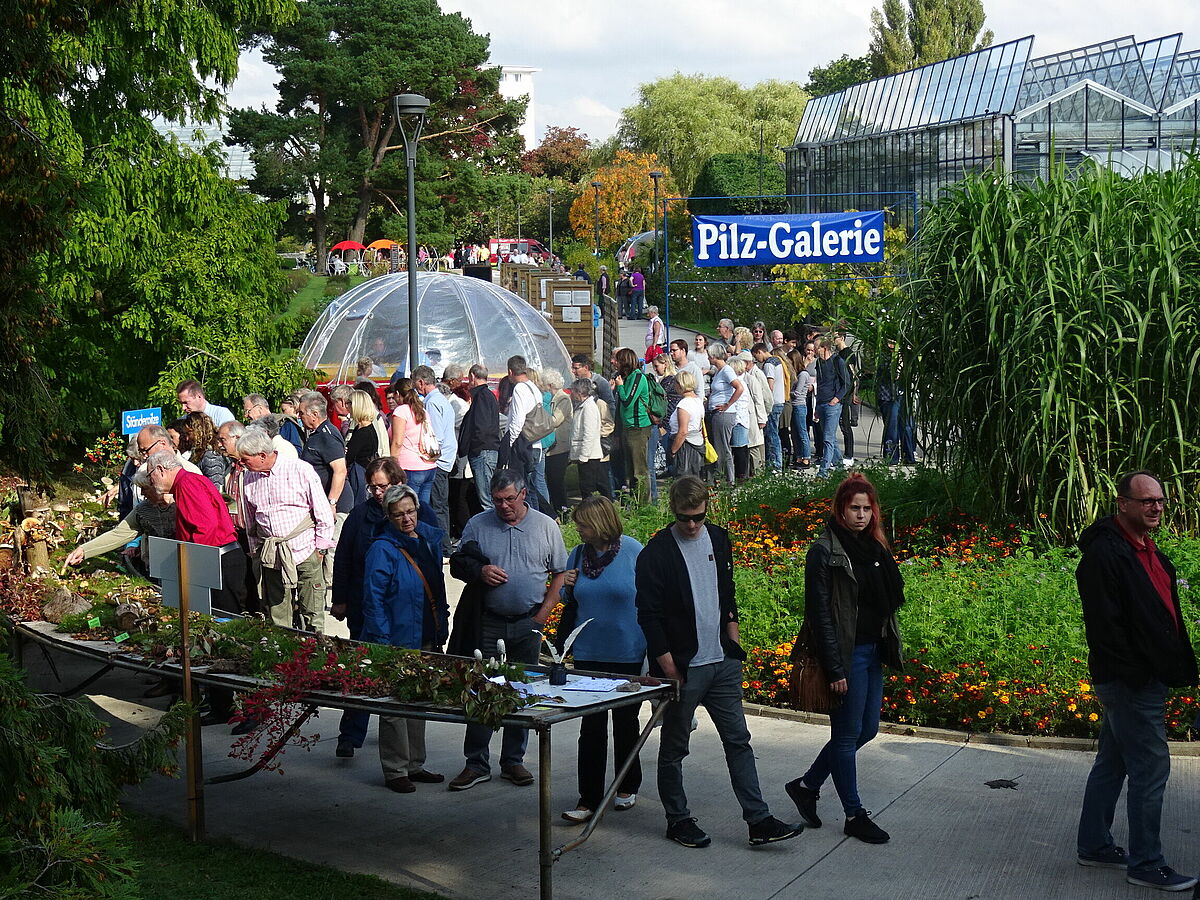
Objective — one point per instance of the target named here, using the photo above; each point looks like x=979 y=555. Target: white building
x=517 y=81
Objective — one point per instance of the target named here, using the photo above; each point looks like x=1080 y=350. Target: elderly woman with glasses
x=404 y=605
x=359 y=531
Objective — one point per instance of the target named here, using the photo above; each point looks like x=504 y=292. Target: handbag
x=808 y=685
x=710 y=452
x=429 y=448
x=437 y=625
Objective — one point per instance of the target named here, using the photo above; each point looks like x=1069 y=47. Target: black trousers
x=593 y=741
x=593 y=479
x=556 y=473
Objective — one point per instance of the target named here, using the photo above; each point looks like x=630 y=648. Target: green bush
x=58 y=797
x=734 y=178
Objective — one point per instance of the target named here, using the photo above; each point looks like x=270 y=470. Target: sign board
x=133 y=420
x=203 y=571
x=851 y=237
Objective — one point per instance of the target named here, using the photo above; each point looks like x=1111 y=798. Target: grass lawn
x=171 y=866
x=709 y=328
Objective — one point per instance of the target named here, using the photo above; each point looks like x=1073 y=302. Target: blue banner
x=132 y=420
x=851 y=237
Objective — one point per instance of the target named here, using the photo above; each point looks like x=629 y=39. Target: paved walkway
x=952 y=836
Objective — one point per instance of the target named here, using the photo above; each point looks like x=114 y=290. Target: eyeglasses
x=508 y=501
x=1148 y=502
x=698 y=517
x=145 y=450
x=378 y=488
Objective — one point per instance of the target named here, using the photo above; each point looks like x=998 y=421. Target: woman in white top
x=760 y=409
x=743 y=409
x=587 y=451
x=655 y=334
x=687 y=423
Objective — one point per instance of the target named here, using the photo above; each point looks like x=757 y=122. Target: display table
x=540 y=718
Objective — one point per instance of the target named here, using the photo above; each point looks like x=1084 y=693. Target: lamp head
x=410 y=104
x=656 y=175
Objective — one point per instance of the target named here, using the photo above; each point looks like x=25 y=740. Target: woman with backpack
x=633 y=408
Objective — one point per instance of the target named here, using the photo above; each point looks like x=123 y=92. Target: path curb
x=994 y=739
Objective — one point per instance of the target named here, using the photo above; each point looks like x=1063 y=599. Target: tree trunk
x=358 y=227
x=319 y=230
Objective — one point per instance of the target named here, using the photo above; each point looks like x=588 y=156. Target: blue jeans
x=637 y=304
x=483 y=467
x=718 y=687
x=1133 y=743
x=422 y=483
x=851 y=725
x=771 y=435
x=831 y=419
x=898 y=440
x=536 y=476
x=801 y=446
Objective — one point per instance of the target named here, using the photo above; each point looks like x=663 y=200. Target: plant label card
x=562 y=298
x=571 y=314
x=593 y=685
x=583 y=298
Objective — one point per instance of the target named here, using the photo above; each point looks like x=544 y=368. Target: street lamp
x=518 y=219
x=596 y=185
x=550 y=246
x=413 y=108
x=654 y=176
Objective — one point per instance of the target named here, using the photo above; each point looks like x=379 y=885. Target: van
x=503 y=248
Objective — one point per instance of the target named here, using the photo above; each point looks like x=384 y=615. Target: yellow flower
x=1092 y=717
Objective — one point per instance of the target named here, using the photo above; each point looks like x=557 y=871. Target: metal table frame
x=538 y=719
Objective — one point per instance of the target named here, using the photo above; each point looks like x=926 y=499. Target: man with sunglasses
x=687 y=609
x=1139 y=647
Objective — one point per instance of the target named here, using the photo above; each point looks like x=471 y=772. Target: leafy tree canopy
x=738 y=177
x=917 y=32
x=838 y=75
x=79 y=81
x=626 y=198
x=563 y=153
x=685 y=119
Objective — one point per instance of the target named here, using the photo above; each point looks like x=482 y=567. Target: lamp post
x=596 y=185
x=413 y=108
x=550 y=246
x=654 y=176
x=518 y=219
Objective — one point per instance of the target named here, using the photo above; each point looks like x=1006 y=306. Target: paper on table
x=594 y=685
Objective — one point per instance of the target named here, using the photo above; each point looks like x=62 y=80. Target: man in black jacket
x=833 y=389
x=1138 y=648
x=687 y=609
x=479 y=435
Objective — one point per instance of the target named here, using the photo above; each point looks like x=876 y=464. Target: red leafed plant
x=277 y=706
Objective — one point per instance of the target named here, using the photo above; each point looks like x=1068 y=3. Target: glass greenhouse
x=462 y=320
x=1129 y=105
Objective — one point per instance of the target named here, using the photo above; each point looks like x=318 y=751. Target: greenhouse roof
x=1004 y=80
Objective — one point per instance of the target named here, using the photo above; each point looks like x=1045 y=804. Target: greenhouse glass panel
x=1158 y=58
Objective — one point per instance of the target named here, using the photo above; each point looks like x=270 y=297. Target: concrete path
x=952 y=837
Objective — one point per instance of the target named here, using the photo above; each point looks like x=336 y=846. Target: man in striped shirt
x=289 y=523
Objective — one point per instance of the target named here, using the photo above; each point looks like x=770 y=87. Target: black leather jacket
x=831 y=611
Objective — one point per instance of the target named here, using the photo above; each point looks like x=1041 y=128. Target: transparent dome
x=462 y=320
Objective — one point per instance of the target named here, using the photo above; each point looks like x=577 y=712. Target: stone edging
x=1032 y=741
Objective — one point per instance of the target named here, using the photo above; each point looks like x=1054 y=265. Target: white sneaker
x=620 y=802
x=848 y=462
x=577 y=816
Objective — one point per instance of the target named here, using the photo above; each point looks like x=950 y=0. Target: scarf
x=875 y=569
x=593 y=563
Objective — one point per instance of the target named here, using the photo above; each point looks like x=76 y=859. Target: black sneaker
x=770 y=830
x=345 y=749
x=805 y=799
x=688 y=833
x=1113 y=858
x=865 y=830
x=1163 y=878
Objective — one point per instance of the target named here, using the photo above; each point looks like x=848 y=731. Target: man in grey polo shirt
x=525 y=571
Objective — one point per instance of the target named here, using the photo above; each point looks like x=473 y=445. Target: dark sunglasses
x=698 y=517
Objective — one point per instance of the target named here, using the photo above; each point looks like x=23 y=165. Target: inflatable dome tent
x=462 y=320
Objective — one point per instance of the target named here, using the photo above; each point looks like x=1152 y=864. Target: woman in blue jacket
x=359 y=531
x=601 y=587
x=404 y=605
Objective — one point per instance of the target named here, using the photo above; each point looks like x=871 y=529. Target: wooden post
x=193 y=751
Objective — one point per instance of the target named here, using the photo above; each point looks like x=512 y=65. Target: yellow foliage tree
x=845 y=290
x=626 y=198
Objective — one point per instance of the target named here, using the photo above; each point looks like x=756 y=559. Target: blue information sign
x=851 y=237
x=134 y=419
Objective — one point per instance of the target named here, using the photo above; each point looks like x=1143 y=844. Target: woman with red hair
x=852 y=589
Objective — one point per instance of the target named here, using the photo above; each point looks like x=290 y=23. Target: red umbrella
x=348 y=245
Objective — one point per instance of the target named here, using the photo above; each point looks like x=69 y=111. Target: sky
x=594 y=53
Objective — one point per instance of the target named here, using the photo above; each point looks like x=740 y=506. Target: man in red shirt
x=202 y=517
x=1138 y=648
